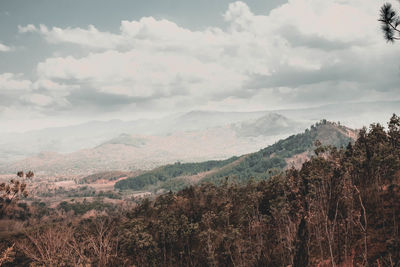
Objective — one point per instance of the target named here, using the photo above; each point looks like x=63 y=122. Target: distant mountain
x=196 y=120
x=267 y=125
x=292 y=151
x=130 y=151
x=17 y=146
x=126 y=139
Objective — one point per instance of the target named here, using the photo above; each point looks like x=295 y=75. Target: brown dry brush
x=93 y=243
x=7 y=255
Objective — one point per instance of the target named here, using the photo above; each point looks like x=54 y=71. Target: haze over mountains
x=148 y=143
x=117 y=145
x=91 y=134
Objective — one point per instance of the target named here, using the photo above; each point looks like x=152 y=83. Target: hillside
x=292 y=151
x=106 y=177
x=284 y=153
x=163 y=177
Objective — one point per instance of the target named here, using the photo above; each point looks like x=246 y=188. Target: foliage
x=168 y=172
x=266 y=162
x=390 y=22
x=13 y=191
x=80 y=208
x=82 y=191
x=108 y=176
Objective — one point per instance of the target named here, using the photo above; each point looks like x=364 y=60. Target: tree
x=10 y=193
x=52 y=246
x=13 y=191
x=390 y=22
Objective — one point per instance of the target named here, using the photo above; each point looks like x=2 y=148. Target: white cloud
x=90 y=37
x=52 y=85
x=15 y=91
x=344 y=20
x=37 y=99
x=11 y=81
x=5 y=48
x=27 y=28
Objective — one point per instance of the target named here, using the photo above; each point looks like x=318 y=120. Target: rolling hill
x=292 y=151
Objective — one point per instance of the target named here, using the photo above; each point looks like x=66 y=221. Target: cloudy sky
x=69 y=61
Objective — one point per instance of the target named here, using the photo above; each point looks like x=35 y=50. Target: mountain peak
x=332 y=133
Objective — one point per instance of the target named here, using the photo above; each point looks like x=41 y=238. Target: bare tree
x=52 y=246
x=102 y=240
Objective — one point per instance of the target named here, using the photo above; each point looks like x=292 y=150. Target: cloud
x=27 y=28
x=53 y=86
x=297 y=39
x=36 y=99
x=41 y=95
x=5 y=48
x=302 y=52
x=12 y=87
x=90 y=37
x=13 y=82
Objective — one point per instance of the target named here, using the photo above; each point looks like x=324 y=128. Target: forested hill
x=292 y=151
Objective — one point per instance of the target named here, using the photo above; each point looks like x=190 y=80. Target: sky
x=68 y=61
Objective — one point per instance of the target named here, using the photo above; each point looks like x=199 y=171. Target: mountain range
x=117 y=145
x=186 y=137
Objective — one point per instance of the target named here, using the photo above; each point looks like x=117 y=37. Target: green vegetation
x=168 y=172
x=268 y=161
x=82 y=191
x=108 y=176
x=80 y=208
x=260 y=165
